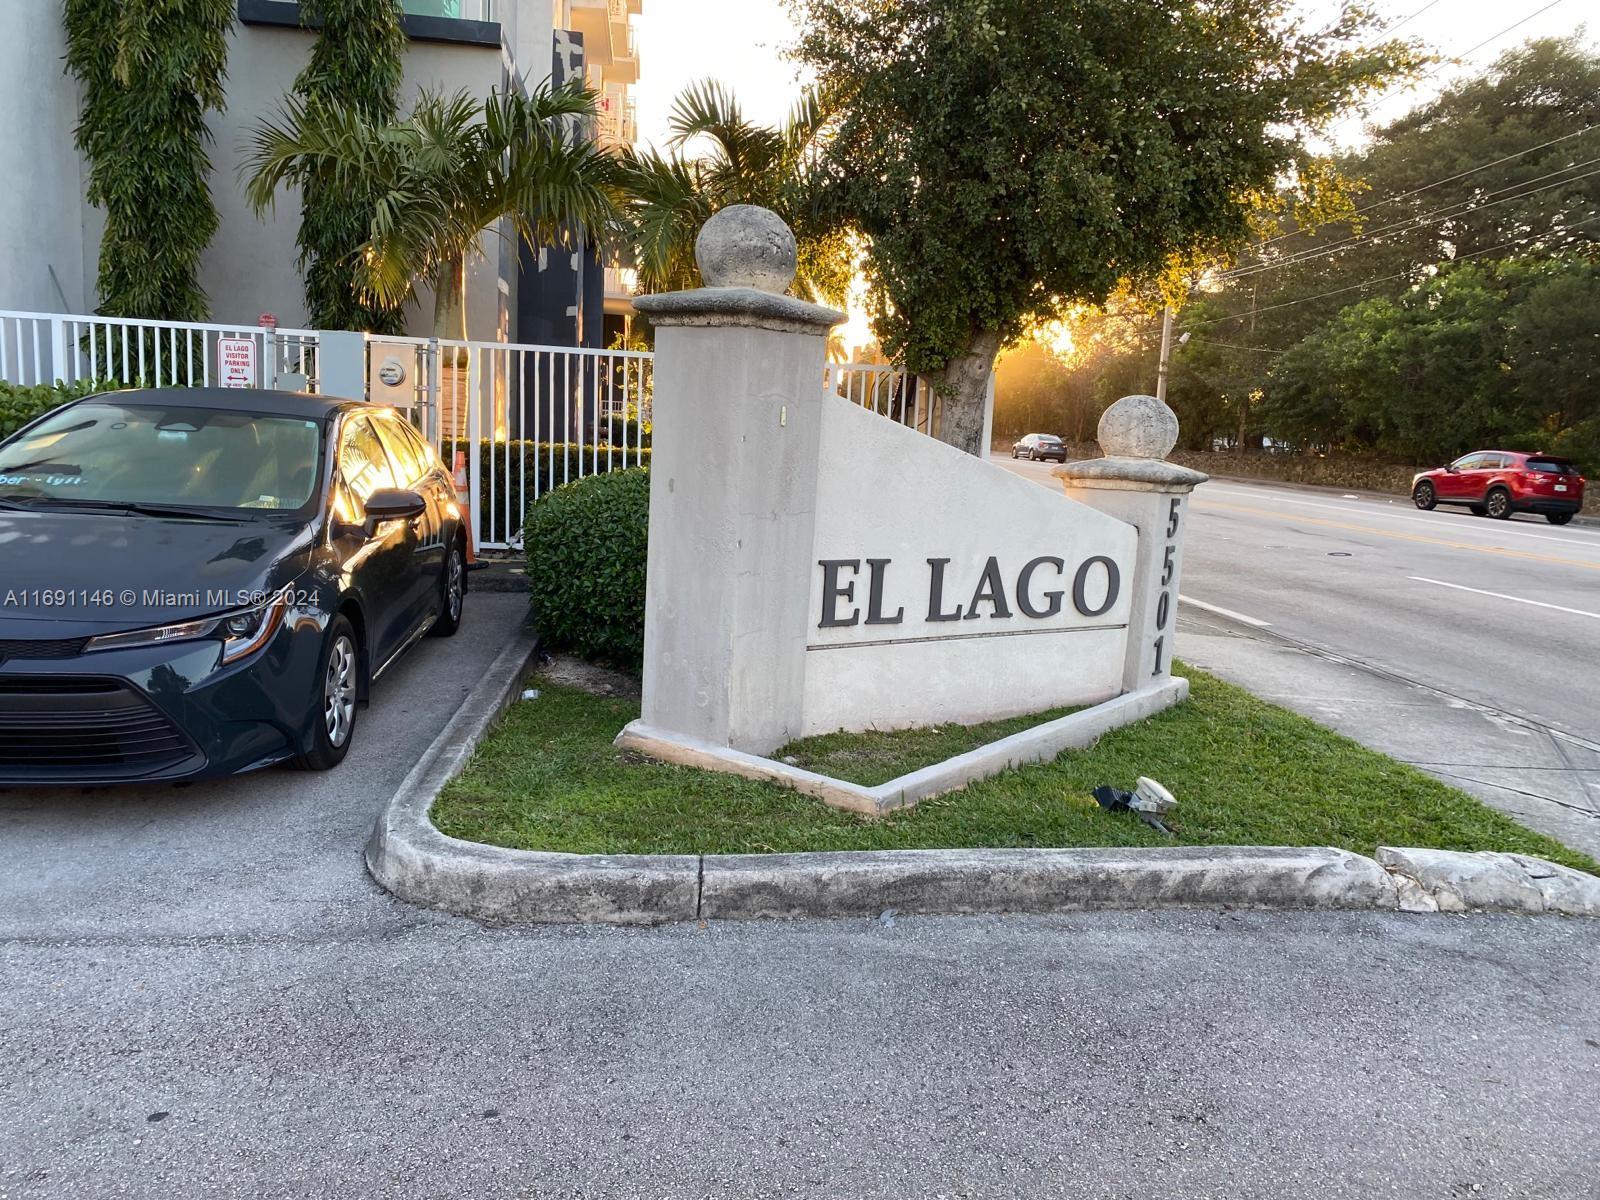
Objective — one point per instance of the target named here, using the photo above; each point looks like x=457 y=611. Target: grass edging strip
x=410 y=857
x=1045 y=741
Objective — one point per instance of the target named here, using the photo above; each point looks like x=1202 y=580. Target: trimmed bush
x=586 y=544
x=19 y=405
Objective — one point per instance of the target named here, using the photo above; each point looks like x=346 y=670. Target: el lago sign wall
x=814 y=567
x=943 y=588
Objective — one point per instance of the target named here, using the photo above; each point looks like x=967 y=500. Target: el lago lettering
x=1029 y=594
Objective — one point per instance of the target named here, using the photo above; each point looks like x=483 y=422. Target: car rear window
x=1552 y=466
x=1049 y=439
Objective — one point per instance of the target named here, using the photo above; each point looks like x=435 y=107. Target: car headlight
x=242 y=632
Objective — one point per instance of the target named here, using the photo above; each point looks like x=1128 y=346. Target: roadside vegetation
x=1449 y=301
x=1245 y=773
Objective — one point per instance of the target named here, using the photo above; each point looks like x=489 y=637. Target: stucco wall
x=250 y=267
x=41 y=204
x=889 y=493
x=45 y=222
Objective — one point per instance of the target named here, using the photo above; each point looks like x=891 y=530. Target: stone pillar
x=733 y=479
x=1135 y=483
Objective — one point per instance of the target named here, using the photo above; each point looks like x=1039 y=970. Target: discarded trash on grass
x=530 y=693
x=1149 y=800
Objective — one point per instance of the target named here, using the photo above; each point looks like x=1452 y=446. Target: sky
x=740 y=42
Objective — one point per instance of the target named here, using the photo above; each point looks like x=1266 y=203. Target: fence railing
x=45 y=348
x=511 y=420
x=886 y=390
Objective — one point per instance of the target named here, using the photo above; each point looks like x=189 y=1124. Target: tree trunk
x=450 y=304
x=962 y=389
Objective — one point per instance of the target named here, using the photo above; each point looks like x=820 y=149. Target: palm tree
x=443 y=176
x=670 y=196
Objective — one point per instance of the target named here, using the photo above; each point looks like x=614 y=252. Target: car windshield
x=105 y=452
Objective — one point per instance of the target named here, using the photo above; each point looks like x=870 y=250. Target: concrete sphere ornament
x=746 y=246
x=1138 y=427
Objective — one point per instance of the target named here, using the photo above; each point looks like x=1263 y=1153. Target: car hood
x=70 y=574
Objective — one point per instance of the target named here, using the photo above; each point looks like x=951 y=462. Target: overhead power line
x=1455 y=59
x=1404 y=21
x=1430 y=186
x=1381 y=279
x=1461 y=208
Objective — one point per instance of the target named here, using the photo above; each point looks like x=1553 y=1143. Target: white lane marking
x=1224 y=612
x=1579 y=537
x=1577 y=612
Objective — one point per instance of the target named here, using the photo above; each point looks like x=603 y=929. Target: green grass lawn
x=1244 y=772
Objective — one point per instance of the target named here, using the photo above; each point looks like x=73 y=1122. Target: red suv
x=1497 y=483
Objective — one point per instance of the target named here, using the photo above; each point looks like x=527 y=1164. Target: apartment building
x=49 y=235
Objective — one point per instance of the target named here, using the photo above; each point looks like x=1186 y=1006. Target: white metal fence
x=886 y=390
x=46 y=348
x=512 y=421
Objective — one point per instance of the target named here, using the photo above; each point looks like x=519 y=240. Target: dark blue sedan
x=197 y=582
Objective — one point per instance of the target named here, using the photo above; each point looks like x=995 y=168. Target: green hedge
x=19 y=405
x=522 y=464
x=586 y=544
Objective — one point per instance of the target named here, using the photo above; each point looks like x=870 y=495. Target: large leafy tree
x=717 y=157
x=438 y=180
x=355 y=66
x=150 y=71
x=1010 y=158
x=1504 y=352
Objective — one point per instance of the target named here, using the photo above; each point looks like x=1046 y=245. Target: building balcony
x=592 y=18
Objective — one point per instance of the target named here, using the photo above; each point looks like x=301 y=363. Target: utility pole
x=1166 y=355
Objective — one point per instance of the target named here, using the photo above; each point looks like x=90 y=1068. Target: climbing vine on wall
x=150 y=70
x=355 y=62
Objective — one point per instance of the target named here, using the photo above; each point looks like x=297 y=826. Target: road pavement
x=203 y=995
x=1467 y=646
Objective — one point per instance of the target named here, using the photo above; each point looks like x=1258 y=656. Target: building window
x=469 y=10
x=464 y=22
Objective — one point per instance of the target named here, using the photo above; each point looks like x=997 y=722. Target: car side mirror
x=393 y=504
x=1451 y=469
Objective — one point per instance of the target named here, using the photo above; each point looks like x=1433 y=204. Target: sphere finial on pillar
x=746 y=246
x=1137 y=427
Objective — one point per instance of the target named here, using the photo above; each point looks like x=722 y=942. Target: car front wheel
x=1424 y=497
x=1498 y=504
x=335 y=727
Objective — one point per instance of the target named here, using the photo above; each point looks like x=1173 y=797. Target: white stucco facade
x=43 y=263
x=50 y=234
x=919 y=628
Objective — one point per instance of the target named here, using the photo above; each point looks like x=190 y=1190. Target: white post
x=342 y=364
x=988 y=418
x=733 y=482
x=58 y=353
x=1135 y=483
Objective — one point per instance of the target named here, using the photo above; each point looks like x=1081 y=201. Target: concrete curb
x=865 y=883
x=413 y=860
x=1040 y=743
x=1456 y=881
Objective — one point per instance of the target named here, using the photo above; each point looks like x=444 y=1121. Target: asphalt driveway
x=203 y=995
x=276 y=852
